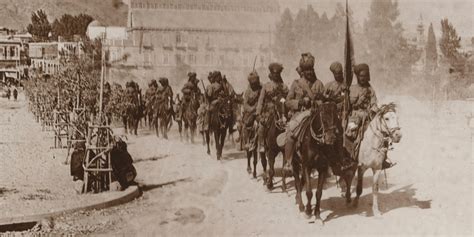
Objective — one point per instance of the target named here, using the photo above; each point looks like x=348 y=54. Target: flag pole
x=348 y=61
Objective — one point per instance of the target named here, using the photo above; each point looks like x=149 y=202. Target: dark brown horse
x=162 y=114
x=133 y=108
x=220 y=122
x=319 y=150
x=178 y=116
x=189 y=116
x=276 y=126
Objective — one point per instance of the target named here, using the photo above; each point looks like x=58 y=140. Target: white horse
x=381 y=132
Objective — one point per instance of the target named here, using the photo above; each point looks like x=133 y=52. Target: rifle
x=254 y=62
x=206 y=96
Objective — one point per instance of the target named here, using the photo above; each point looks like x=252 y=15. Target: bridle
x=384 y=133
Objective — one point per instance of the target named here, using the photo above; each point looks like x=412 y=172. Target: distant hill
x=16 y=14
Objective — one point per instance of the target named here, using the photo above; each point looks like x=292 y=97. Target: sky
x=459 y=12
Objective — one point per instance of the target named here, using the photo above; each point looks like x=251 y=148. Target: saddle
x=326 y=134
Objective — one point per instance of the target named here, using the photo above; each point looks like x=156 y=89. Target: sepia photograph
x=236 y=118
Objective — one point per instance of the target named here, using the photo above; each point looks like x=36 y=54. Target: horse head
x=389 y=121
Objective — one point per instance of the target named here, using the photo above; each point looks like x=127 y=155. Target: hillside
x=16 y=14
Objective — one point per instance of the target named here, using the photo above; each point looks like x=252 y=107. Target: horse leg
x=360 y=179
x=319 y=193
x=249 y=157
x=193 y=131
x=186 y=126
x=156 y=125
x=263 y=159
x=255 y=161
x=271 y=170
x=283 y=178
x=309 y=191
x=180 y=129
x=217 y=139
x=298 y=185
x=221 y=146
x=207 y=138
x=348 y=181
x=375 y=191
x=124 y=121
x=164 y=128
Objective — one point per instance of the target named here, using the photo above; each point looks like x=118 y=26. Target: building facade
x=171 y=37
x=13 y=59
x=49 y=56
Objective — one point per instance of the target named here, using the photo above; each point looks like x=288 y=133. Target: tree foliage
x=450 y=41
x=310 y=32
x=431 y=50
x=39 y=27
x=389 y=53
x=67 y=26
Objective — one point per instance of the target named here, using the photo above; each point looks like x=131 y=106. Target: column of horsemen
x=271 y=117
x=308 y=122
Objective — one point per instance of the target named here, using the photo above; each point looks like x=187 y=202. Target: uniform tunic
x=300 y=89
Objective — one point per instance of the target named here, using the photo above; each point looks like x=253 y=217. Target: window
x=179 y=59
x=221 y=60
x=192 y=59
x=166 y=59
x=178 y=38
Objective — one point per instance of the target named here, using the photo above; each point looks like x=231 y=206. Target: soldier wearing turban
x=364 y=106
x=249 y=114
x=270 y=95
x=304 y=92
x=335 y=90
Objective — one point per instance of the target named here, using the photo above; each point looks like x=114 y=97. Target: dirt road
x=187 y=193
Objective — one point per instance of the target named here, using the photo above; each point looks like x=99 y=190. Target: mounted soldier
x=304 y=92
x=363 y=101
x=251 y=96
x=167 y=92
x=191 y=89
x=149 y=96
x=271 y=94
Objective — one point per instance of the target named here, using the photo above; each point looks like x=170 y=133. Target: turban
x=361 y=67
x=163 y=80
x=253 y=78
x=275 y=68
x=307 y=62
x=191 y=74
x=217 y=76
x=336 y=67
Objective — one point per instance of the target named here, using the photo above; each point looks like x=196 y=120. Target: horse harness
x=385 y=135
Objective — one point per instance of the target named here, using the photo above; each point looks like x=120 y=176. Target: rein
x=384 y=134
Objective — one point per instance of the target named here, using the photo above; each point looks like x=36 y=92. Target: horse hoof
x=377 y=215
x=319 y=222
x=249 y=170
x=254 y=175
x=306 y=215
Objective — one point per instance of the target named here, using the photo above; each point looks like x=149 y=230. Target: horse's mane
x=385 y=108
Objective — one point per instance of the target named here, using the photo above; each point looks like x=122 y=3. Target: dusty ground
x=187 y=193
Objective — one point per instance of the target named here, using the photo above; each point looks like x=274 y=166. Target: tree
x=285 y=46
x=39 y=27
x=68 y=26
x=388 y=51
x=450 y=41
x=431 y=51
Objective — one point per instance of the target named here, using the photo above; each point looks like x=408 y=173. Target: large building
x=171 y=37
